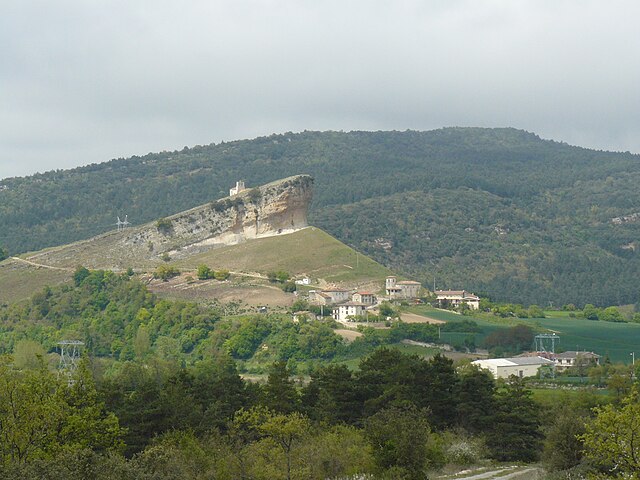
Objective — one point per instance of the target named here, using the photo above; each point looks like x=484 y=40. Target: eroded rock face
x=273 y=209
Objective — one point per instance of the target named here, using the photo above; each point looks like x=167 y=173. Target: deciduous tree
x=611 y=439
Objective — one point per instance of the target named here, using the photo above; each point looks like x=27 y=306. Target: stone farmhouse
x=456 y=298
x=401 y=290
x=367 y=298
x=328 y=296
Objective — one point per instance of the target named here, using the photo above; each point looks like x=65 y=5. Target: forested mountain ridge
x=499 y=211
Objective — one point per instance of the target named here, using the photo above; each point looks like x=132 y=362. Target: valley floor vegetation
x=159 y=393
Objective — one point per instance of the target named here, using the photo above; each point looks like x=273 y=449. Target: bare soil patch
x=462 y=355
x=249 y=293
x=348 y=335
x=415 y=318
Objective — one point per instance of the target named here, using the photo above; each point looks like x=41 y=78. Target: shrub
x=463 y=450
x=278 y=277
x=535 y=311
x=164 y=225
x=300 y=306
x=165 y=272
x=204 y=272
x=222 y=275
x=386 y=310
x=255 y=195
x=590 y=312
x=611 y=314
x=289 y=287
x=221 y=205
x=80 y=274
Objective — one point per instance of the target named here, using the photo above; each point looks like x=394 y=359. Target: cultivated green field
x=555 y=396
x=617 y=340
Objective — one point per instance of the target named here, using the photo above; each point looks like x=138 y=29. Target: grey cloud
x=84 y=81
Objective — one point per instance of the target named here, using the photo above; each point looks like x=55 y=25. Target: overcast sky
x=84 y=81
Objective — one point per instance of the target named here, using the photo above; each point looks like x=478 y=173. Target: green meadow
x=616 y=340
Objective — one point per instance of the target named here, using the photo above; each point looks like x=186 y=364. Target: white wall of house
x=504 y=368
x=341 y=313
x=456 y=299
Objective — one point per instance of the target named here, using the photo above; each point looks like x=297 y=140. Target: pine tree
x=280 y=393
x=515 y=433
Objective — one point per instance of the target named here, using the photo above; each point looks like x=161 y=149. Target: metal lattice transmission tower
x=546 y=342
x=69 y=357
x=122 y=225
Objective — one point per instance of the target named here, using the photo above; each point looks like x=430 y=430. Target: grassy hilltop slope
x=19 y=280
x=497 y=211
x=309 y=252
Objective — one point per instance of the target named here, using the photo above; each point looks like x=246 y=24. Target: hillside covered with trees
x=496 y=211
x=164 y=389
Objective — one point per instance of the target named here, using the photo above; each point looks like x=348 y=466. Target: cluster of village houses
x=347 y=305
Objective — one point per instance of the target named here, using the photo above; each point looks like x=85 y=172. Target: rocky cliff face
x=273 y=209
